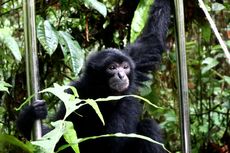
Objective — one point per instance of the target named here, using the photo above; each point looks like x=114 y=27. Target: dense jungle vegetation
x=68 y=30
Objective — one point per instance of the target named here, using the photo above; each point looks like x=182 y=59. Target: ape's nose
x=121 y=75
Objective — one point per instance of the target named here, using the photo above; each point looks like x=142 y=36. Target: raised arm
x=147 y=50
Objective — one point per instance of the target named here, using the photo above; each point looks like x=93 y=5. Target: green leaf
x=120 y=97
x=100 y=7
x=209 y=63
x=140 y=17
x=146 y=89
x=206 y=32
x=132 y=135
x=4 y=86
x=49 y=141
x=10 y=42
x=7 y=141
x=69 y=45
x=94 y=105
x=47 y=36
x=70 y=136
x=203 y=128
x=226 y=104
x=228 y=42
x=61 y=128
x=227 y=79
x=217 y=7
x=74 y=90
x=170 y=116
x=69 y=100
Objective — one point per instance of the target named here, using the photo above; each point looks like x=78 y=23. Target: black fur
x=143 y=56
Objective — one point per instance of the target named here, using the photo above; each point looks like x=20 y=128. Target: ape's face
x=112 y=70
x=119 y=72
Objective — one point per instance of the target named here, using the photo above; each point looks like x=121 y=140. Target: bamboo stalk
x=32 y=74
x=182 y=77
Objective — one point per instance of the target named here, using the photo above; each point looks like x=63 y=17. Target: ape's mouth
x=120 y=86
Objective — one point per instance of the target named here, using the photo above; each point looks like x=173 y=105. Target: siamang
x=115 y=72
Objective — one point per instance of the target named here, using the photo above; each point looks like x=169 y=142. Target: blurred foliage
x=68 y=30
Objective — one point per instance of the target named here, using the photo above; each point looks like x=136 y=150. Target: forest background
x=68 y=30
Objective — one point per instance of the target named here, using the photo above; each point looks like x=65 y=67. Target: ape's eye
x=112 y=67
x=126 y=66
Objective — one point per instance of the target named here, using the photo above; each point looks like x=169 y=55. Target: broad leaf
x=66 y=129
x=227 y=79
x=140 y=17
x=94 y=105
x=69 y=45
x=10 y=42
x=49 y=141
x=4 y=86
x=47 y=36
x=209 y=63
x=70 y=136
x=69 y=100
x=206 y=32
x=217 y=7
x=9 y=140
x=100 y=7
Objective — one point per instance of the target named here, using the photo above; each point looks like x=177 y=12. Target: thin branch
x=215 y=30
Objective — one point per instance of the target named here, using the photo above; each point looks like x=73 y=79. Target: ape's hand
x=26 y=118
x=39 y=109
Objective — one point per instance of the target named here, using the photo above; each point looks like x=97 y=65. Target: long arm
x=28 y=115
x=158 y=21
x=147 y=50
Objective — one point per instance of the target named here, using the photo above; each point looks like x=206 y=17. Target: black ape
x=115 y=72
